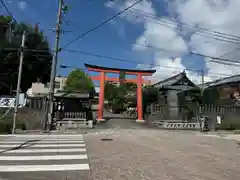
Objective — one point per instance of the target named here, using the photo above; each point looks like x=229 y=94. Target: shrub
x=7 y=124
x=229 y=125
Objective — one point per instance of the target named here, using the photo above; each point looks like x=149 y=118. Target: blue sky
x=83 y=15
x=113 y=39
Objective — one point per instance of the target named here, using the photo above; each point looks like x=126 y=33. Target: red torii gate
x=102 y=78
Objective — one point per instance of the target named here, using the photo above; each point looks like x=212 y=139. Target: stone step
x=193 y=126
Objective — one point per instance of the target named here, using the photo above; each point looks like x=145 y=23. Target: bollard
x=90 y=124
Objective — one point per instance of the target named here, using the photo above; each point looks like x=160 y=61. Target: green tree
x=37 y=64
x=150 y=95
x=78 y=81
x=110 y=91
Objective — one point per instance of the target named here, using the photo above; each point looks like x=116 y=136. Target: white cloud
x=22 y=5
x=144 y=5
x=216 y=15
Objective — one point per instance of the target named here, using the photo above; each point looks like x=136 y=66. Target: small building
x=168 y=93
x=72 y=108
x=224 y=91
x=40 y=89
x=168 y=88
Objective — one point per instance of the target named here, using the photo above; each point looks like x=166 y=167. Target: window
x=46 y=85
x=57 y=84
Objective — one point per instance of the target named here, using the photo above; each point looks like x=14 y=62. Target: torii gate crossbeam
x=102 y=78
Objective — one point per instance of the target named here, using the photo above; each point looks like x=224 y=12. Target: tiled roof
x=171 y=80
x=71 y=95
x=230 y=79
x=221 y=81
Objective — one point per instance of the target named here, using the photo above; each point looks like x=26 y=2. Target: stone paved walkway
x=154 y=154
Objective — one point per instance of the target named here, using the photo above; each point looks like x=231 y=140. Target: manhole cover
x=106 y=139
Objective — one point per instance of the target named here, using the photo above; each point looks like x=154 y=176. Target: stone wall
x=31 y=117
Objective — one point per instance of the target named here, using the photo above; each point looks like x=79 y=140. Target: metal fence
x=71 y=115
x=191 y=113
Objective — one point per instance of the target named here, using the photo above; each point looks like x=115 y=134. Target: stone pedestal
x=140 y=121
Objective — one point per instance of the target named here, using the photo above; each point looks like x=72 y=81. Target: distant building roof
x=172 y=80
x=71 y=94
x=221 y=81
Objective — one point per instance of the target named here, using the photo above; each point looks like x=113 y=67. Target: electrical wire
x=223 y=35
x=185 y=25
x=220 y=60
x=137 y=62
x=100 y=25
x=219 y=76
x=150 y=64
x=8 y=11
x=217 y=35
x=230 y=52
x=223 y=61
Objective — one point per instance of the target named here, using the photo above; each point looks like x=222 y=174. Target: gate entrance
x=102 y=78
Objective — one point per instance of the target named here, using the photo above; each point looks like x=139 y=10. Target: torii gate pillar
x=139 y=98
x=102 y=78
x=101 y=97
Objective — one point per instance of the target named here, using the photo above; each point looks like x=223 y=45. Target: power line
x=175 y=52
x=145 y=45
x=219 y=35
x=230 y=52
x=152 y=77
x=121 y=59
x=190 y=53
x=101 y=24
x=218 y=60
x=135 y=62
x=8 y=11
x=199 y=28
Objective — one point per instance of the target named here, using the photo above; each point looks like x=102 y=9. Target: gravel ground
x=143 y=154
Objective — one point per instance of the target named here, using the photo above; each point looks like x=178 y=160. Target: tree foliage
x=120 y=96
x=150 y=95
x=115 y=93
x=78 y=81
x=36 y=66
x=110 y=91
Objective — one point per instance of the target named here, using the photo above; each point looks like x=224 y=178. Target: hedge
x=7 y=124
x=229 y=125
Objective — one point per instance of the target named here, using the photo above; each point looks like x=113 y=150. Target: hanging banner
x=7 y=102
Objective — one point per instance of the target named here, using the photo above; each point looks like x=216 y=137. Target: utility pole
x=10 y=33
x=19 y=81
x=202 y=75
x=54 y=64
x=202 y=87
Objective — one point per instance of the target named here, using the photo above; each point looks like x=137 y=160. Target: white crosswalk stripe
x=37 y=153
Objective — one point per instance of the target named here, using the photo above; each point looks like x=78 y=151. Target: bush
x=229 y=125
x=7 y=124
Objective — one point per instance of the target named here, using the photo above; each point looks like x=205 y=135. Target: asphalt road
x=132 y=151
x=136 y=152
x=118 y=121
x=53 y=157
x=141 y=154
